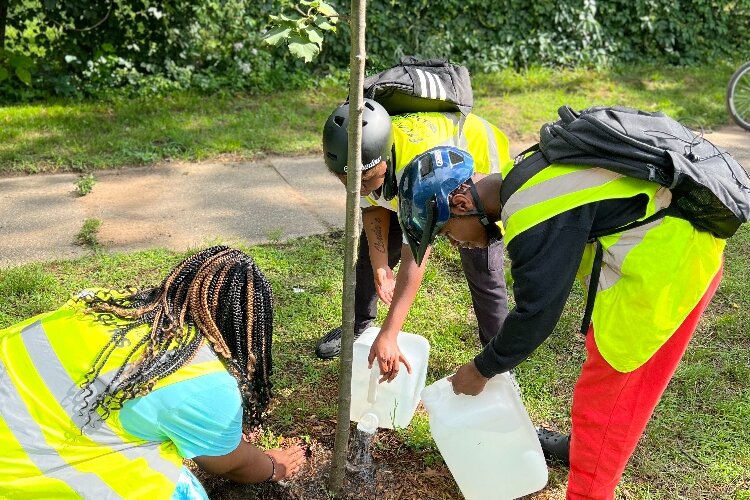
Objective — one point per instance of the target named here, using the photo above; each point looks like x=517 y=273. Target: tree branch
x=101 y=21
x=3 y=21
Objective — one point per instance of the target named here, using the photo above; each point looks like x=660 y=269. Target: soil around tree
x=398 y=473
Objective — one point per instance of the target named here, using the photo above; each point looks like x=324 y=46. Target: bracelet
x=273 y=468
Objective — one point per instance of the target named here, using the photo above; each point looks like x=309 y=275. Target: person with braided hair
x=105 y=397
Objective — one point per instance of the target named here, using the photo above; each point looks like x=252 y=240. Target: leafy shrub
x=488 y=35
x=149 y=47
x=95 y=47
x=85 y=184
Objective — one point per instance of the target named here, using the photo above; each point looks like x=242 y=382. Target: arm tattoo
x=379 y=243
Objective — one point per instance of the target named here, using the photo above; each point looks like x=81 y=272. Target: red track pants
x=611 y=409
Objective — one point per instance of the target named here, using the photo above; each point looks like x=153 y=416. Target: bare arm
x=376 y=222
x=249 y=464
x=408 y=282
x=385 y=348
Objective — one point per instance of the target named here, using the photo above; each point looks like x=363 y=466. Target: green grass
x=87 y=236
x=518 y=103
x=75 y=136
x=78 y=136
x=695 y=446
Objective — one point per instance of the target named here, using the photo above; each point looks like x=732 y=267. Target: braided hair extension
x=218 y=295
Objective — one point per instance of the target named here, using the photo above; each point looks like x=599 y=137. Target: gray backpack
x=709 y=187
x=415 y=85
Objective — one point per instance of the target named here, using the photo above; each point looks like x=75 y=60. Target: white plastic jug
x=487 y=441
x=393 y=403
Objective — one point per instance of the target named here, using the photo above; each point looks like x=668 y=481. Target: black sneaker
x=556 y=446
x=329 y=345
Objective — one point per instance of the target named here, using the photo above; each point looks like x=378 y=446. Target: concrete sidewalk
x=183 y=205
x=175 y=205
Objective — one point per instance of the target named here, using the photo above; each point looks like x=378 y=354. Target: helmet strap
x=491 y=228
x=390 y=184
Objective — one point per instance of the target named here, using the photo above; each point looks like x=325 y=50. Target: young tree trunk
x=354 y=176
x=3 y=21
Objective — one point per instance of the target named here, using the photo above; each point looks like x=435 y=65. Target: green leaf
x=327 y=10
x=3 y=74
x=21 y=61
x=276 y=35
x=314 y=35
x=24 y=75
x=306 y=51
x=108 y=47
x=322 y=23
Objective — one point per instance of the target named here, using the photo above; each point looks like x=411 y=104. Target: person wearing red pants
x=611 y=409
x=650 y=276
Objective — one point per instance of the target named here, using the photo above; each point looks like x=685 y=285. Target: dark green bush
x=145 y=47
x=491 y=34
x=150 y=47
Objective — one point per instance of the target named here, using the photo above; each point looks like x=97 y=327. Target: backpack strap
x=390 y=184
x=524 y=169
x=593 y=284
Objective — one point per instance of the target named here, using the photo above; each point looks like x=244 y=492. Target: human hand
x=468 y=380
x=385 y=283
x=287 y=461
x=389 y=356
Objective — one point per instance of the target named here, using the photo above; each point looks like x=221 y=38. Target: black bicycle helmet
x=377 y=137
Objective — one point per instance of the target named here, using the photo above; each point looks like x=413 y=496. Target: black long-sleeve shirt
x=545 y=259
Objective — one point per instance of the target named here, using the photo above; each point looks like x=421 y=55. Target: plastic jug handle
x=372 y=389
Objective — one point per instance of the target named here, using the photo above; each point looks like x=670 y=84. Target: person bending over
x=657 y=275
x=388 y=144
x=105 y=397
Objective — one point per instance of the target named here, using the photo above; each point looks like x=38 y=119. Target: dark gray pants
x=483 y=268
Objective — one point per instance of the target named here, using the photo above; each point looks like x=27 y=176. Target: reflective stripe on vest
x=415 y=133
x=652 y=276
x=45 y=454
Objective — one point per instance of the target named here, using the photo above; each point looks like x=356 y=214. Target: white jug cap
x=368 y=423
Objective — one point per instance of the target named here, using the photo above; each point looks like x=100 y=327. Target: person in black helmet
x=388 y=144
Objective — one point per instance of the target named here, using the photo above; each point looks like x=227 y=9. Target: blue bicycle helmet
x=426 y=184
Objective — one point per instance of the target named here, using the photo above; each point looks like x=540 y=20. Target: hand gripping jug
x=392 y=404
x=487 y=441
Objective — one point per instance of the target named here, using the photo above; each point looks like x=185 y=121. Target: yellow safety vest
x=415 y=133
x=652 y=276
x=43 y=361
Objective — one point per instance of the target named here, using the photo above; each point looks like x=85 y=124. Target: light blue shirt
x=201 y=416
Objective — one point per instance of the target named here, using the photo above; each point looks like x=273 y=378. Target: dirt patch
x=399 y=473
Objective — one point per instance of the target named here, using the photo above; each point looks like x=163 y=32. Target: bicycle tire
x=738 y=96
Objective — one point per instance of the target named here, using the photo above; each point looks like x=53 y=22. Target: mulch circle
x=398 y=473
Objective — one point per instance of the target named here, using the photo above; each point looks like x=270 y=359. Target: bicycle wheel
x=738 y=96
